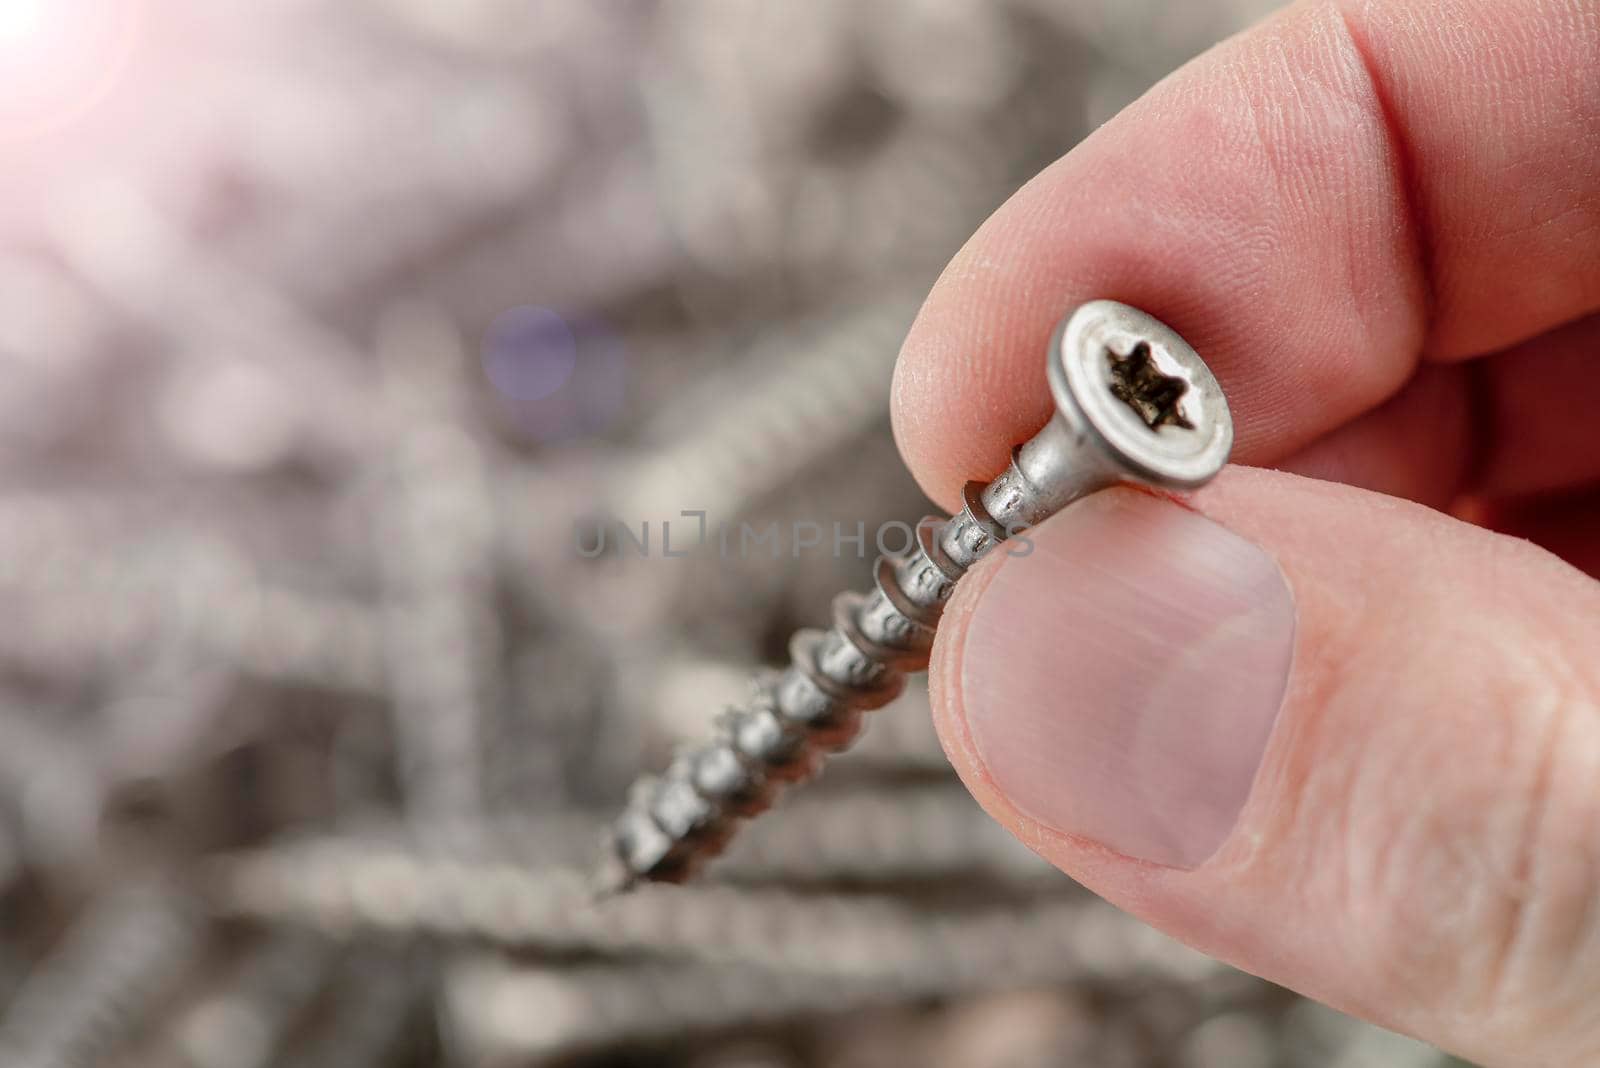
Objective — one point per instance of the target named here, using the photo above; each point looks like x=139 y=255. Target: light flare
x=22 y=21
x=58 y=59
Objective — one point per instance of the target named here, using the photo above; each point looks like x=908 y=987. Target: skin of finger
x=1496 y=104
x=1419 y=444
x=1515 y=424
x=1543 y=411
x=1264 y=201
x=1566 y=524
x=1422 y=844
x=1207 y=202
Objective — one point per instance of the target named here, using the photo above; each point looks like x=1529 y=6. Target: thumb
x=1340 y=740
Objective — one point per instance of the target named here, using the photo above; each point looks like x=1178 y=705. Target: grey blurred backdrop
x=322 y=325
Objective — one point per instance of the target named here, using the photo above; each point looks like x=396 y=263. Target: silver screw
x=245 y=1018
x=130 y=949
x=1134 y=402
x=494 y=1005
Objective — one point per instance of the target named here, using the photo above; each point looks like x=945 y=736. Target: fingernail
x=1121 y=680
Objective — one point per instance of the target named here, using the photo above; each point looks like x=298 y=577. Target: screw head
x=1135 y=390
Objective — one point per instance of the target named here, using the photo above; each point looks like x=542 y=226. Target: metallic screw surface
x=1134 y=402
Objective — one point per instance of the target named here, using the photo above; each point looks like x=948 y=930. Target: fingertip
x=918 y=418
x=1141 y=888
x=1119 y=681
x=1209 y=718
x=961 y=395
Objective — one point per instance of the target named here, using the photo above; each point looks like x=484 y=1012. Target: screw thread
x=812 y=708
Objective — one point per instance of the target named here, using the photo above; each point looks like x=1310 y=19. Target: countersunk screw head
x=1133 y=389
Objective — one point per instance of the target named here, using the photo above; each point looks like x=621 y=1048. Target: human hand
x=1326 y=732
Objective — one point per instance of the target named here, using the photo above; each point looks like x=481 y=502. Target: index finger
x=1314 y=204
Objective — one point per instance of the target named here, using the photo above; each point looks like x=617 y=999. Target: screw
x=491 y=1002
x=131 y=949
x=441 y=633
x=378 y=1002
x=245 y=1018
x=1134 y=402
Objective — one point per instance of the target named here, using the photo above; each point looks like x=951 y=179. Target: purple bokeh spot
x=529 y=353
x=557 y=377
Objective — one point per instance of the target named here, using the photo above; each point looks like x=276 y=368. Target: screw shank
x=1052 y=469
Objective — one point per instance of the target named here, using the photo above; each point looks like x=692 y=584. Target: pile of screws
x=418 y=418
